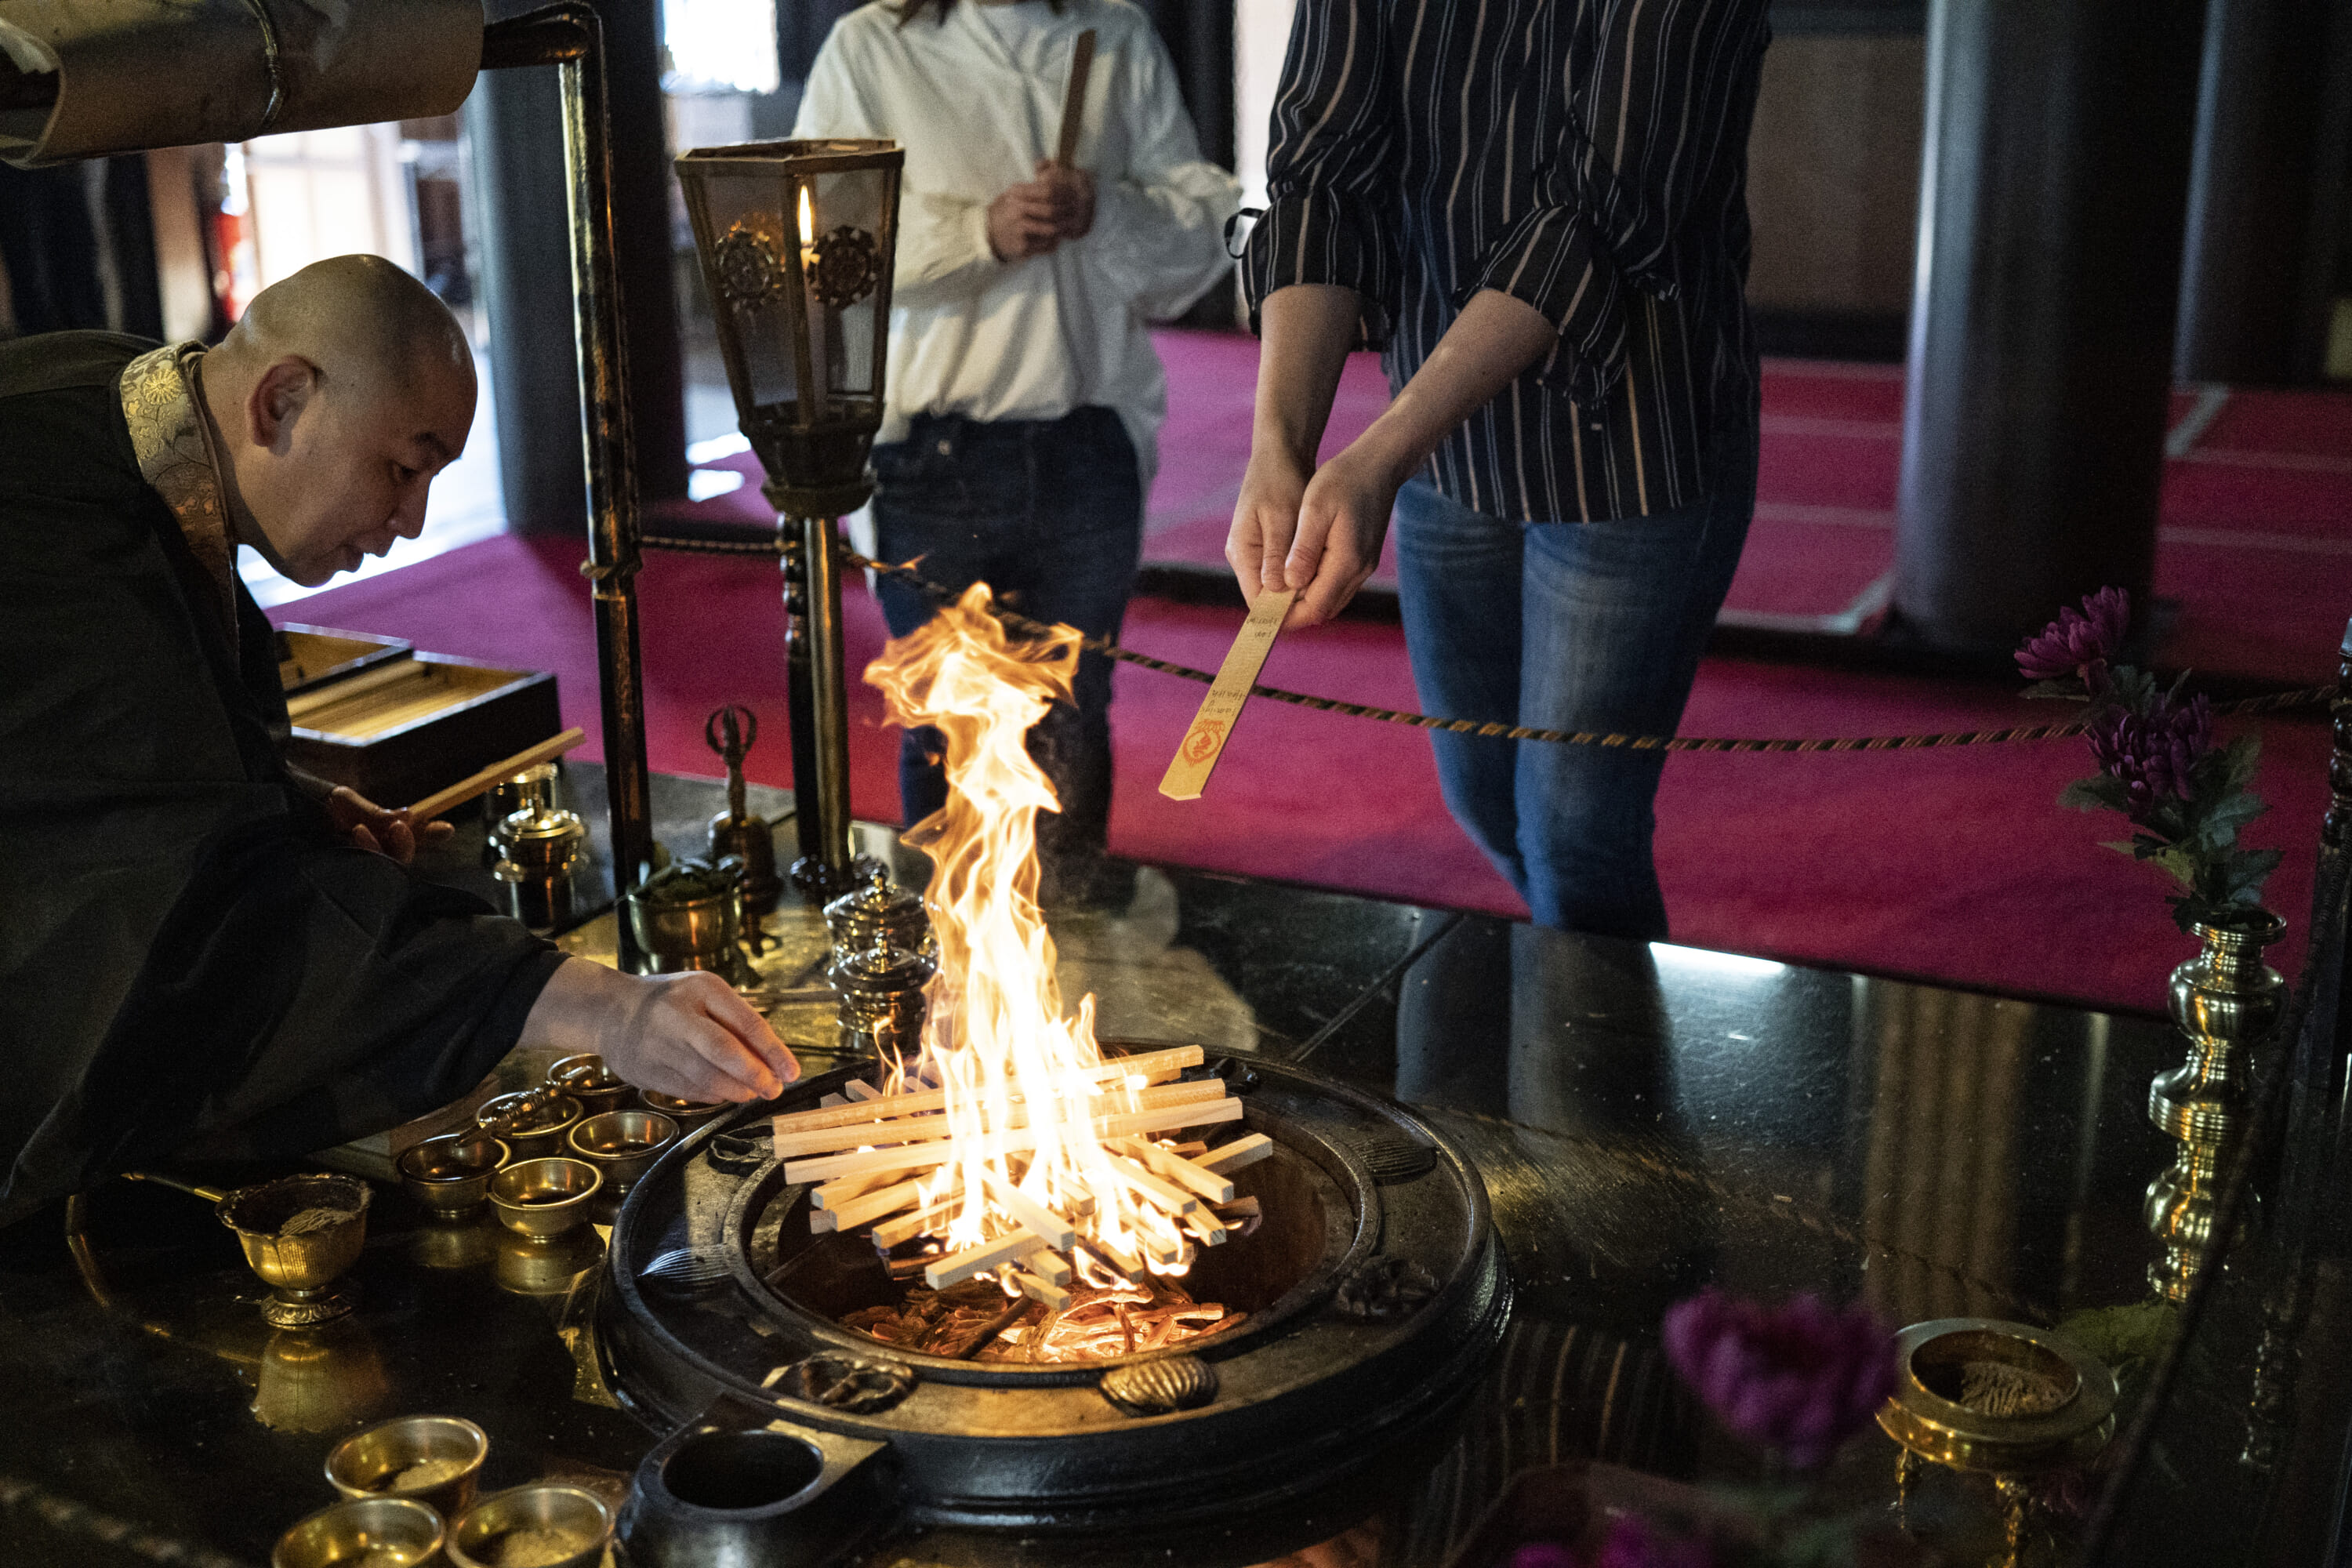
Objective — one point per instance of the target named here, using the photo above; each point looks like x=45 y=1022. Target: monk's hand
x=1072 y=192
x=1266 y=520
x=367 y=825
x=685 y=1035
x=1343 y=520
x=1023 y=222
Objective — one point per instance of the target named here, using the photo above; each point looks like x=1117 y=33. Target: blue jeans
x=1567 y=626
x=1049 y=514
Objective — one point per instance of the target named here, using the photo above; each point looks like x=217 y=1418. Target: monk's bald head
x=359 y=316
x=337 y=398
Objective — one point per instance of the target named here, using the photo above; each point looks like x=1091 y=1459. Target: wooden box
x=311 y=656
x=408 y=725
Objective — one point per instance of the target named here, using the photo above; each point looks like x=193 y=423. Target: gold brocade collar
x=174 y=448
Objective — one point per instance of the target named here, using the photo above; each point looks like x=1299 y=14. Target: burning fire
x=1012 y=1144
x=1007 y=1051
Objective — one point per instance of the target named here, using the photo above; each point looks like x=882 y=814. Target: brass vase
x=2228 y=1002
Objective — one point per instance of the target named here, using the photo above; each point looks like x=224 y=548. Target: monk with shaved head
x=205 y=953
x=335 y=400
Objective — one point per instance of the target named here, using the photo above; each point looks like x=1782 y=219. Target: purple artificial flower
x=1543 y=1554
x=1801 y=1377
x=1634 y=1543
x=2153 y=754
x=2079 y=644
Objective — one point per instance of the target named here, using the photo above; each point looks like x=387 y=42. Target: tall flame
x=1007 y=1051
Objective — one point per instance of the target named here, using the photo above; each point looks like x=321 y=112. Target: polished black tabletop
x=1648 y=1120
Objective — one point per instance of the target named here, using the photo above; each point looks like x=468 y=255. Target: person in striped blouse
x=1537 y=209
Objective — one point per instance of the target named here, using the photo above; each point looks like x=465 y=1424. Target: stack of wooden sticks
x=878 y=1157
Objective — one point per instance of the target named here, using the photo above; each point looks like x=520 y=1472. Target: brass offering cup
x=688 y=1114
x=543 y=1199
x=540 y=1134
x=623 y=1145
x=375 y=1462
x=300 y=1267
x=533 y=1524
x=378 y=1532
x=524 y=1267
x=450 y=1176
x=587 y=1079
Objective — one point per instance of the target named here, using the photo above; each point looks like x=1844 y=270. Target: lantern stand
x=796 y=239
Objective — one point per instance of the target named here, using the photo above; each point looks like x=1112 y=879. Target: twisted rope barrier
x=2277 y=701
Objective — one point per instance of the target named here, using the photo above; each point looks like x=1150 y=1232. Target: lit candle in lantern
x=808 y=232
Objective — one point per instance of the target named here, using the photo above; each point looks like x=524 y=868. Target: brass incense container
x=543 y=1199
x=877 y=914
x=433 y=1459
x=531 y=1122
x=2005 y=1400
x=543 y=848
x=449 y=1176
x=623 y=1145
x=587 y=1079
x=546 y=1526
x=378 y=1532
x=532 y=790
x=882 y=1006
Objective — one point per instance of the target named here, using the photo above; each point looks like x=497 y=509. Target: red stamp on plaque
x=1202 y=744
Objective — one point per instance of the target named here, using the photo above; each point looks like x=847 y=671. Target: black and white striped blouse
x=1587 y=156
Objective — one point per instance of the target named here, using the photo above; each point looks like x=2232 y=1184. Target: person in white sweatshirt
x=1025 y=397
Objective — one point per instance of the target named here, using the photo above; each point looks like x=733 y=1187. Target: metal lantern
x=797 y=240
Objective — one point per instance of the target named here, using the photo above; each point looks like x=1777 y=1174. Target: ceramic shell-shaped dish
x=1161 y=1387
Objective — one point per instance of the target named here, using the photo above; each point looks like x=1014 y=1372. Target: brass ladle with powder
x=298 y=1235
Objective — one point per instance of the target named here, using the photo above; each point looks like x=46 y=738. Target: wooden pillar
x=2054 y=180
x=515 y=127
x=2253 y=200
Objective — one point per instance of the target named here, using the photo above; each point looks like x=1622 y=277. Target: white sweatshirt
x=977 y=100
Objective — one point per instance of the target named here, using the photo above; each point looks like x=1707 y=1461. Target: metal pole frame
x=570 y=35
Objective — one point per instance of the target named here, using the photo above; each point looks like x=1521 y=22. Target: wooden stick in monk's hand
x=466 y=788
x=1074 y=101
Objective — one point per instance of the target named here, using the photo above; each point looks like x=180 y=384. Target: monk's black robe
x=189 y=957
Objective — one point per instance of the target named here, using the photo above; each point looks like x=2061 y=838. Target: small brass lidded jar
x=2000 y=1399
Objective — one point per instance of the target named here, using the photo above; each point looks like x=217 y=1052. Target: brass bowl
x=623 y=1145
x=378 y=1532
x=543 y=1199
x=485 y=1535
x=688 y=1114
x=451 y=1175
x=540 y=1136
x=300 y=1267
x=378 y=1462
x=587 y=1079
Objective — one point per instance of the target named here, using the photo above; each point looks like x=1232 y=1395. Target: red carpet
x=1951 y=865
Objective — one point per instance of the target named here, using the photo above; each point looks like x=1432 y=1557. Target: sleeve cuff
x=1549 y=260
x=1323 y=237
x=975 y=233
